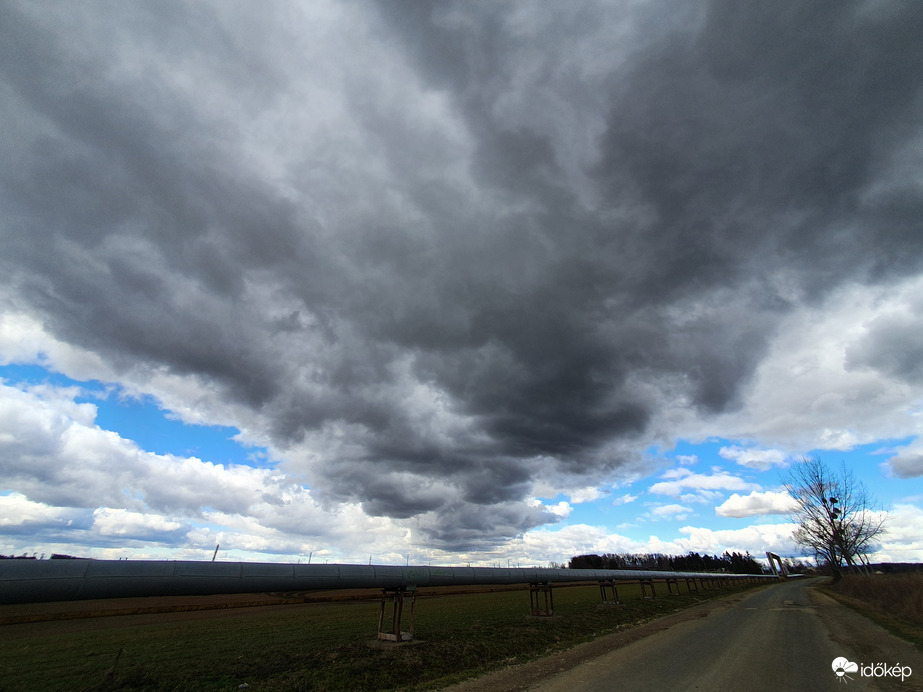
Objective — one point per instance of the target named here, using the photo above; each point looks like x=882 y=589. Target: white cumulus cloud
x=674 y=511
x=682 y=479
x=760 y=459
x=756 y=503
x=908 y=461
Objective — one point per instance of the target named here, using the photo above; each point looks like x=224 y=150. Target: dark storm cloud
x=125 y=197
x=766 y=132
x=528 y=234
x=892 y=344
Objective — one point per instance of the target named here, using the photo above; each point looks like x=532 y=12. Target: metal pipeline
x=34 y=581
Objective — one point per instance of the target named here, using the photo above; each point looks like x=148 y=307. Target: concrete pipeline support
x=536 y=593
x=605 y=587
x=396 y=599
x=34 y=581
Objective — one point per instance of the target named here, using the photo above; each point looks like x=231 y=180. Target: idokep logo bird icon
x=841 y=666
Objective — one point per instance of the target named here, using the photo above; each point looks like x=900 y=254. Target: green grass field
x=317 y=646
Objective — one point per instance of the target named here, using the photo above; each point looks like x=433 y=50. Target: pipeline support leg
x=541 y=599
x=396 y=599
x=604 y=587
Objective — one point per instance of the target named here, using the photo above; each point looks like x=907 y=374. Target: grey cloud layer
x=440 y=248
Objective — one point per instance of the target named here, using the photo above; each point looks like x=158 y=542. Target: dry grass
x=893 y=600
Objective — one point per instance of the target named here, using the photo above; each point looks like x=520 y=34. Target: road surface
x=780 y=637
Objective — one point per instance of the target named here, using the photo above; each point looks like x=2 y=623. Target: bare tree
x=836 y=517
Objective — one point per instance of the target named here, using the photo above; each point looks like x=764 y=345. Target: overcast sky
x=464 y=281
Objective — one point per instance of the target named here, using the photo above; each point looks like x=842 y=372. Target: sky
x=455 y=282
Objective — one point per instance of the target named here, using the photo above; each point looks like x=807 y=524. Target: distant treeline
x=734 y=563
x=54 y=556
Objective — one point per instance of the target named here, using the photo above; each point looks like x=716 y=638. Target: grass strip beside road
x=323 y=646
x=894 y=601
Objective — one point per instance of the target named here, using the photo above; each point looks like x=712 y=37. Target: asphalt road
x=784 y=637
